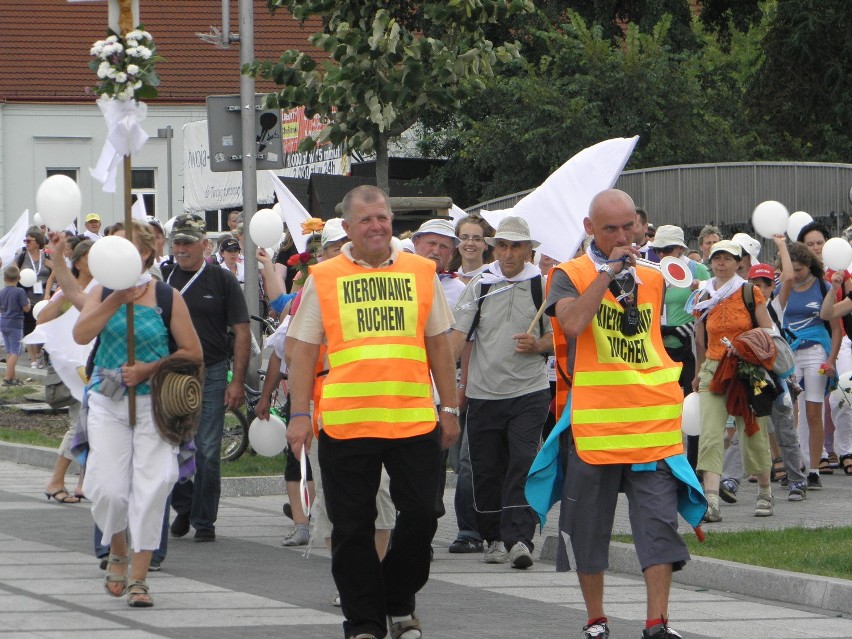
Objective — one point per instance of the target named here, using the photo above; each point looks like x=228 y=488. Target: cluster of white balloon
x=772 y=218
x=114 y=261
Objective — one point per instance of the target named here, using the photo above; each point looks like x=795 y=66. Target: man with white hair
x=507 y=390
x=435 y=240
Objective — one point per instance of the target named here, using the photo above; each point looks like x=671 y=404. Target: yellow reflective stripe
x=378 y=351
x=388 y=415
x=618 y=442
x=373 y=389
x=628 y=377
x=633 y=414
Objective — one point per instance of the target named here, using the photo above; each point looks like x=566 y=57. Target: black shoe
x=464 y=545
x=661 y=631
x=180 y=526
x=205 y=535
x=104 y=562
x=814 y=482
x=154 y=566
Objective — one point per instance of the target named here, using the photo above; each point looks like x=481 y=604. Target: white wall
x=35 y=137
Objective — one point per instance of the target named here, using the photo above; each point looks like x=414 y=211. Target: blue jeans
x=159 y=555
x=465 y=513
x=200 y=496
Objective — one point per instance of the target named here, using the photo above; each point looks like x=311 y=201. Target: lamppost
x=167 y=134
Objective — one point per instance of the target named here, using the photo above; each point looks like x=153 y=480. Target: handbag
x=56 y=393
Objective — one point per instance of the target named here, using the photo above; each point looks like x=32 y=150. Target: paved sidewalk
x=247 y=585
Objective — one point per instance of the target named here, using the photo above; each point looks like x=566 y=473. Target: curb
x=44 y=457
x=795 y=588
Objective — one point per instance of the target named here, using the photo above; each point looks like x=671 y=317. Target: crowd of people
x=459 y=346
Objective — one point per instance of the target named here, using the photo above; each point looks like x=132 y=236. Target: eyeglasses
x=29 y=239
x=471 y=238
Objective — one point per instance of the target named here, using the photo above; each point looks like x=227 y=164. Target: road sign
x=224 y=129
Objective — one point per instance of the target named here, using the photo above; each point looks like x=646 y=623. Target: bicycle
x=235 y=439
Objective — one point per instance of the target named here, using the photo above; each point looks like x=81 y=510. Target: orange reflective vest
x=626 y=402
x=378 y=384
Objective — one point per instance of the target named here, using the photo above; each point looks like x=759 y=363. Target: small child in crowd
x=13 y=304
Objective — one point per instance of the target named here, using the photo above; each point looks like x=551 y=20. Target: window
x=72 y=173
x=143 y=185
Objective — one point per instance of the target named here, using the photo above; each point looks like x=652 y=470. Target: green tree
x=683 y=105
x=386 y=63
x=801 y=94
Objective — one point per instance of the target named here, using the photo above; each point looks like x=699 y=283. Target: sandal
x=847 y=468
x=833 y=461
x=140 y=597
x=825 y=467
x=777 y=473
x=112 y=578
x=62 y=496
x=399 y=628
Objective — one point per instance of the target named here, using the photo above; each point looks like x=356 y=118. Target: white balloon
x=770 y=218
x=59 y=201
x=37 y=220
x=28 y=277
x=843 y=392
x=115 y=262
x=277 y=208
x=796 y=222
x=691 y=418
x=837 y=254
x=268 y=437
x=39 y=306
x=266 y=228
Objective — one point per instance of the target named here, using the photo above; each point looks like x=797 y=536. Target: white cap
x=332 y=231
x=438 y=226
x=749 y=244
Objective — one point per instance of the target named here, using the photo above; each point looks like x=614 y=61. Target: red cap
x=762 y=270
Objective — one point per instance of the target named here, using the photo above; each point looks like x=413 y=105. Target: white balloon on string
x=58 y=201
x=115 y=262
x=691 y=418
x=770 y=218
x=797 y=221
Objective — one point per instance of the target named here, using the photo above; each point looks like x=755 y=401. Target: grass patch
x=29 y=437
x=813 y=551
x=249 y=465
x=13 y=394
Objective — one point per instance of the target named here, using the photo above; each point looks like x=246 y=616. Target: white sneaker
x=495 y=553
x=297 y=537
x=520 y=556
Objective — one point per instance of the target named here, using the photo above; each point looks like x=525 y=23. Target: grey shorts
x=589 y=498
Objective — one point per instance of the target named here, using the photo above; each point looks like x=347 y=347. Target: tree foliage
x=802 y=90
x=585 y=90
x=387 y=62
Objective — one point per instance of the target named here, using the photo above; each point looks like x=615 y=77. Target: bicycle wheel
x=235 y=435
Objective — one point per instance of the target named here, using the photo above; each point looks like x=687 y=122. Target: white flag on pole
x=292 y=212
x=12 y=242
x=138 y=210
x=556 y=209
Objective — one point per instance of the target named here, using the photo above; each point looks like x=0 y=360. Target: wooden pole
x=131 y=341
x=126 y=23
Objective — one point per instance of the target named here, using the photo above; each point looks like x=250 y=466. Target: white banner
x=208 y=191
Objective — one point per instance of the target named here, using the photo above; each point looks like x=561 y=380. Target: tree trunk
x=382 y=162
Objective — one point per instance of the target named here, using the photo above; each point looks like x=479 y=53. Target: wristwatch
x=606 y=268
x=451 y=410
